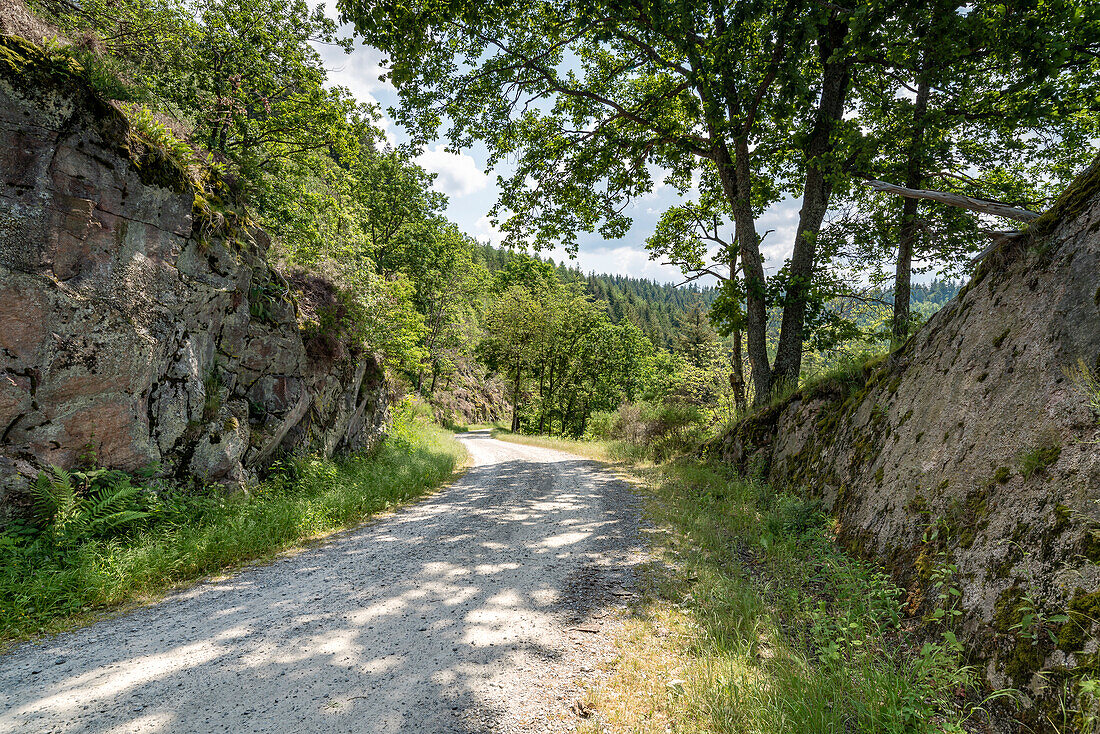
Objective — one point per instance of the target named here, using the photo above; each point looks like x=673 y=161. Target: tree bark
x=835 y=81
x=737 y=373
x=515 y=398
x=907 y=237
x=735 y=176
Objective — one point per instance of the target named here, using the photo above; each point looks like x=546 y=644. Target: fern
x=74 y=507
x=55 y=499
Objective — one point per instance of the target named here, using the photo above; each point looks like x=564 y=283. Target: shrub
x=600 y=426
x=72 y=508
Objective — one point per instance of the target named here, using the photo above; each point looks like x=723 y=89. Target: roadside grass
x=45 y=588
x=611 y=452
x=753 y=620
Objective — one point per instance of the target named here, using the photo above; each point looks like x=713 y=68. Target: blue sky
x=472 y=190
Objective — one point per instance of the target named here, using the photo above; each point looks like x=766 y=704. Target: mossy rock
x=1082 y=610
x=1072 y=202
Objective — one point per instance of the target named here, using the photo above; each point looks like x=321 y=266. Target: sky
x=472 y=190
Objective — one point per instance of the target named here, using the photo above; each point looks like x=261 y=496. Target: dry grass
x=17 y=20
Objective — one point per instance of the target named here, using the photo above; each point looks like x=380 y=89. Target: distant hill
x=654 y=306
x=651 y=305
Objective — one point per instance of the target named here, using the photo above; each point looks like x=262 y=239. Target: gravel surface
x=485 y=608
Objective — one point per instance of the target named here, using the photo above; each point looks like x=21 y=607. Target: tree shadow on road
x=430 y=620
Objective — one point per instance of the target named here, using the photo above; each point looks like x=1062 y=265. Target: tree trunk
x=515 y=398
x=907 y=236
x=542 y=399
x=736 y=181
x=737 y=373
x=835 y=80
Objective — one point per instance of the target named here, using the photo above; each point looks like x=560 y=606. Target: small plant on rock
x=1088 y=383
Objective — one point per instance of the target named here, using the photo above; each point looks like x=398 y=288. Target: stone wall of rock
x=975 y=439
x=136 y=318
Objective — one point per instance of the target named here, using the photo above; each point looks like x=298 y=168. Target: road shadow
x=430 y=620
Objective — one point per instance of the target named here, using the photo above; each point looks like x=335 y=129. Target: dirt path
x=458 y=614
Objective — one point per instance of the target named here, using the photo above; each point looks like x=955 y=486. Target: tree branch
x=982 y=206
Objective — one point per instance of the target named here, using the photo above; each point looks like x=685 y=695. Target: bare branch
x=982 y=206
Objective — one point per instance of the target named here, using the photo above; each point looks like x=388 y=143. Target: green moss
x=30 y=71
x=1002 y=474
x=1073 y=201
x=1062 y=515
x=918 y=505
x=1083 y=611
x=999 y=340
x=905 y=418
x=1006 y=610
x=1022 y=662
x=1089 y=545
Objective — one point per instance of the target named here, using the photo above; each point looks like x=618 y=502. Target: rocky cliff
x=978 y=439
x=139 y=316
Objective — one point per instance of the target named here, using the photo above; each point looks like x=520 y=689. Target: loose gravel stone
x=452 y=615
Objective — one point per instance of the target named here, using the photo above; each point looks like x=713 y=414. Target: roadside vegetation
x=100 y=538
x=753 y=619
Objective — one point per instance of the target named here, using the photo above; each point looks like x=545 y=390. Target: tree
x=513 y=323
x=983 y=99
x=696 y=338
x=589 y=98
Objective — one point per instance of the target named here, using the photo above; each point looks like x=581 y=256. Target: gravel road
x=475 y=610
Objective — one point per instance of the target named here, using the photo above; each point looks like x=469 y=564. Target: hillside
x=657 y=307
x=973 y=449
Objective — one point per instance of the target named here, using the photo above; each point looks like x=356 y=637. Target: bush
x=600 y=426
x=662 y=429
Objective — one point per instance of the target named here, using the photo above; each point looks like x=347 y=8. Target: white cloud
x=458 y=173
x=484 y=231
x=626 y=260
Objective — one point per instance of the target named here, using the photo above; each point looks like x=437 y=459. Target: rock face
x=136 y=321
x=978 y=440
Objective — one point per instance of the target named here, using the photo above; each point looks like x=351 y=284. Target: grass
x=46 y=589
x=607 y=452
x=753 y=620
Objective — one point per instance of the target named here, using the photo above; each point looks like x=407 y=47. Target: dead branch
x=982 y=206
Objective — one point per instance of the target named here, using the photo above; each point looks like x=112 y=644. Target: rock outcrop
x=138 y=319
x=978 y=439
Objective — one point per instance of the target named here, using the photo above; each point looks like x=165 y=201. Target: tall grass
x=44 y=587
x=778 y=630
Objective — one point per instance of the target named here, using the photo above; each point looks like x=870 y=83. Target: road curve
x=456 y=614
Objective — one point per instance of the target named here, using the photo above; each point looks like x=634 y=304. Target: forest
x=239 y=90
x=916 y=154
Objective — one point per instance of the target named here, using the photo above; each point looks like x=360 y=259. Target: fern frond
x=54 y=496
x=115 y=508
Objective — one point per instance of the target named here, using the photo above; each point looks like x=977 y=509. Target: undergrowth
x=101 y=538
x=779 y=630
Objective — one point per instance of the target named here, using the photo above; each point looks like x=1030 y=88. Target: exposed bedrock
x=138 y=320
x=976 y=439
